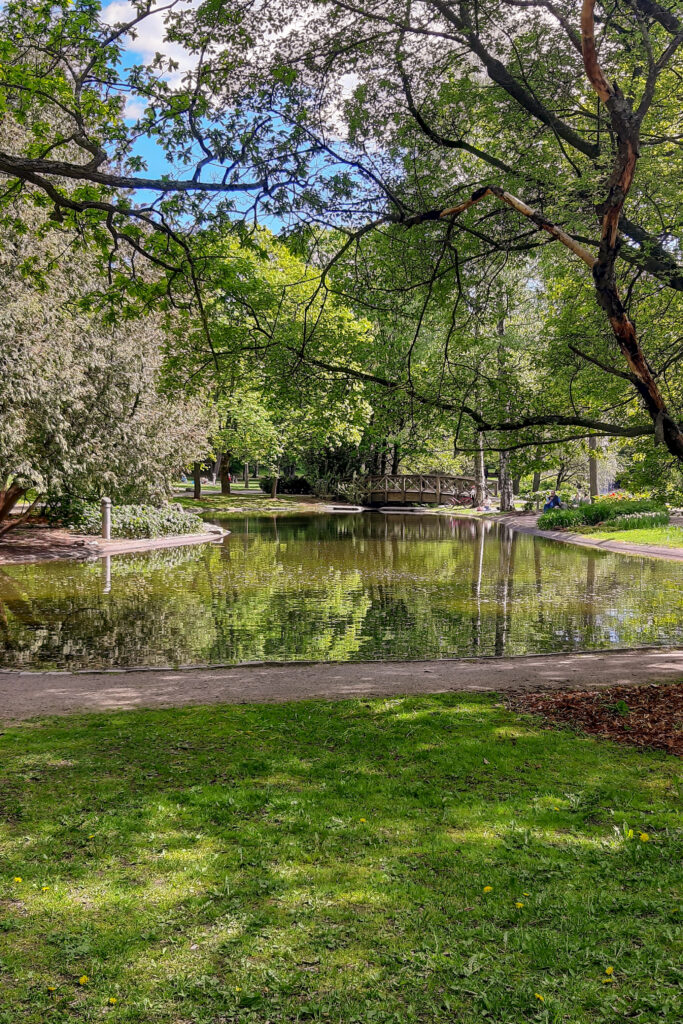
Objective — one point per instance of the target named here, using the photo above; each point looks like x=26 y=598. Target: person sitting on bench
x=552 y=502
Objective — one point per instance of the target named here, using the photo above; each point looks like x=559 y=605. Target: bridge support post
x=438 y=489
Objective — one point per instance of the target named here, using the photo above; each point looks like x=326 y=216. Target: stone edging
x=102 y=548
x=521 y=524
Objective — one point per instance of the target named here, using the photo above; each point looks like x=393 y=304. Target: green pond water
x=337 y=588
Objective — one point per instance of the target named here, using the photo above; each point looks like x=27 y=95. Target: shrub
x=634 y=521
x=605 y=510
x=560 y=517
x=286 y=485
x=130 y=521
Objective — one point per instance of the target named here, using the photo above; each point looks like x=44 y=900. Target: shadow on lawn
x=328 y=861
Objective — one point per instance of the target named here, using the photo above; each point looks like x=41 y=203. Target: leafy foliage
x=126 y=520
x=287 y=485
x=605 y=510
x=632 y=521
x=81 y=411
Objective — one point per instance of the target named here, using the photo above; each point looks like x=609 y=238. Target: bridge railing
x=422 y=488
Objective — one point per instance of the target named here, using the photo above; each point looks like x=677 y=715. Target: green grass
x=661 y=536
x=254 y=503
x=327 y=862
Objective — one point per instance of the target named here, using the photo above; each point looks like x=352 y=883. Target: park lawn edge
x=656 y=536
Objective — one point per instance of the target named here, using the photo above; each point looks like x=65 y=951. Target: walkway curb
x=520 y=523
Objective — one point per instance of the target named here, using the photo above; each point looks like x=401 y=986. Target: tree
x=480 y=130
x=80 y=409
x=260 y=298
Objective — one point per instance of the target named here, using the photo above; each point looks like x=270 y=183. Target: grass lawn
x=253 y=503
x=661 y=536
x=394 y=860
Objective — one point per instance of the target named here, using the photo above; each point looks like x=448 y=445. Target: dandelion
x=83 y=980
x=44 y=888
x=556 y=808
x=606 y=981
x=609 y=971
x=112 y=1000
x=539 y=997
x=519 y=905
x=18 y=878
x=526 y=894
x=92 y=836
x=363 y=819
x=51 y=988
x=488 y=888
x=644 y=837
x=237 y=988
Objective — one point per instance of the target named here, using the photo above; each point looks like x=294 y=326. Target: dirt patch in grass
x=646 y=716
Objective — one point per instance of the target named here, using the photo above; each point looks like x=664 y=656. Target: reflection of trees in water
x=506 y=563
x=338 y=588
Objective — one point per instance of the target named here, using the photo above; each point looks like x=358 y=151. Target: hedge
x=286 y=485
x=601 y=511
x=130 y=521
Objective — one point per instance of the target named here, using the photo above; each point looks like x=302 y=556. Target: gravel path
x=29 y=694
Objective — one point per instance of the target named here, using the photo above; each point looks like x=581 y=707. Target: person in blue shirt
x=552 y=502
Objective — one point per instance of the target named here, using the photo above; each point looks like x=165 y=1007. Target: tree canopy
x=494 y=187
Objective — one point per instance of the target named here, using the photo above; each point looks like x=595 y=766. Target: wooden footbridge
x=420 y=489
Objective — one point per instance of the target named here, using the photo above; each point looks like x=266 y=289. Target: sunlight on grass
x=333 y=862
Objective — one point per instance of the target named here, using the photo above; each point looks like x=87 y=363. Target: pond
x=337 y=588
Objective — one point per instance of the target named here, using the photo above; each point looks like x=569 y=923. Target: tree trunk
x=536 y=482
x=505 y=483
x=480 y=471
x=197 y=479
x=625 y=124
x=505 y=480
x=225 y=473
x=9 y=497
x=396 y=459
x=516 y=480
x=276 y=477
x=246 y=476
x=593 y=468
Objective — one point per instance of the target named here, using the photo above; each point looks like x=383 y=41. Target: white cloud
x=150 y=36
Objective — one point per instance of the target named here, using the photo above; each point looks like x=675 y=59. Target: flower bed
x=634 y=521
x=606 y=510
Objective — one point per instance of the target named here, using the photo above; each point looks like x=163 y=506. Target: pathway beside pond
x=525 y=522
x=30 y=694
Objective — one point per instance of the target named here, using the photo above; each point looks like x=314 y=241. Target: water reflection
x=337 y=588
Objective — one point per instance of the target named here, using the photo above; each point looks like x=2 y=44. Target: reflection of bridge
x=419 y=489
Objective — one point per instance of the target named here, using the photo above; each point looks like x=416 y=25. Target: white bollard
x=105 y=505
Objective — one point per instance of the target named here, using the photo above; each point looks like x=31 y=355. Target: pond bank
x=42 y=544
x=29 y=694
x=525 y=522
